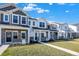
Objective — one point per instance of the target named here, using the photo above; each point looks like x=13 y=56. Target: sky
x=56 y=12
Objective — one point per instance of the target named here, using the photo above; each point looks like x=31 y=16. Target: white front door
x=23 y=37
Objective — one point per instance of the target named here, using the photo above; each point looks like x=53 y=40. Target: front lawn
x=33 y=50
x=72 y=45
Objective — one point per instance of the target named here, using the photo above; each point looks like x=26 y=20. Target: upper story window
x=6 y=18
x=42 y=24
x=53 y=27
x=29 y=22
x=15 y=19
x=23 y=20
x=34 y=23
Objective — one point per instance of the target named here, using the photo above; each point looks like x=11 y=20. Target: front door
x=23 y=37
x=42 y=37
x=8 y=37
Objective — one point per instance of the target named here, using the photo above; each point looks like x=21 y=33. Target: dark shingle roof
x=9 y=7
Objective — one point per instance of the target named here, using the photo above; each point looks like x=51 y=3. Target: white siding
x=0 y=36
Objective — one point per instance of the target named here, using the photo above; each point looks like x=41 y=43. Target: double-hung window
x=33 y=23
x=15 y=19
x=42 y=24
x=29 y=22
x=23 y=20
x=15 y=35
x=6 y=18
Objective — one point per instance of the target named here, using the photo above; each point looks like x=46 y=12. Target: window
x=42 y=34
x=46 y=34
x=6 y=18
x=23 y=36
x=42 y=24
x=15 y=19
x=33 y=23
x=29 y=22
x=35 y=34
x=23 y=21
x=8 y=36
x=15 y=36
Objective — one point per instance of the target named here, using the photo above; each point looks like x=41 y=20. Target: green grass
x=33 y=50
x=72 y=45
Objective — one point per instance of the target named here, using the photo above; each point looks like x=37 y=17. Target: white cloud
x=28 y=8
x=67 y=11
x=50 y=3
x=40 y=10
x=33 y=7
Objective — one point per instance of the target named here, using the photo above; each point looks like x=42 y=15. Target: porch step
x=3 y=48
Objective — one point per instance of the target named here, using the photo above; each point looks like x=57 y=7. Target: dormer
x=42 y=23
x=32 y=22
x=52 y=26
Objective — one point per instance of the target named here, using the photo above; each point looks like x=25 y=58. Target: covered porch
x=40 y=35
x=13 y=35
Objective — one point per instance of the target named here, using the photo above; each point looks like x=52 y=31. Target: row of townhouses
x=17 y=27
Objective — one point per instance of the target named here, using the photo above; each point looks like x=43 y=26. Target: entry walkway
x=62 y=49
x=3 y=48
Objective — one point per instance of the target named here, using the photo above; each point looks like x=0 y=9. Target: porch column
x=66 y=35
x=28 y=36
x=34 y=35
x=0 y=36
x=48 y=35
x=39 y=36
x=58 y=35
x=71 y=35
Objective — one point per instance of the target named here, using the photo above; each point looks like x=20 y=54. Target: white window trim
x=4 y=18
x=21 y=35
x=13 y=34
x=21 y=20
x=5 y=37
x=42 y=27
x=12 y=19
x=30 y=22
x=35 y=24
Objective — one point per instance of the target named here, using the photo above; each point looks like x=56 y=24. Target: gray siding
x=19 y=40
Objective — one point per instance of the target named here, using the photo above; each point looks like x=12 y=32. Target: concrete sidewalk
x=3 y=48
x=62 y=49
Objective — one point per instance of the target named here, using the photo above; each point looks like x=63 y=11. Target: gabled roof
x=31 y=18
x=42 y=19
x=10 y=7
x=5 y=7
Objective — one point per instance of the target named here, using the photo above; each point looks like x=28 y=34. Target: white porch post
x=71 y=35
x=34 y=35
x=40 y=36
x=48 y=35
x=66 y=35
x=0 y=36
x=58 y=35
x=28 y=36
